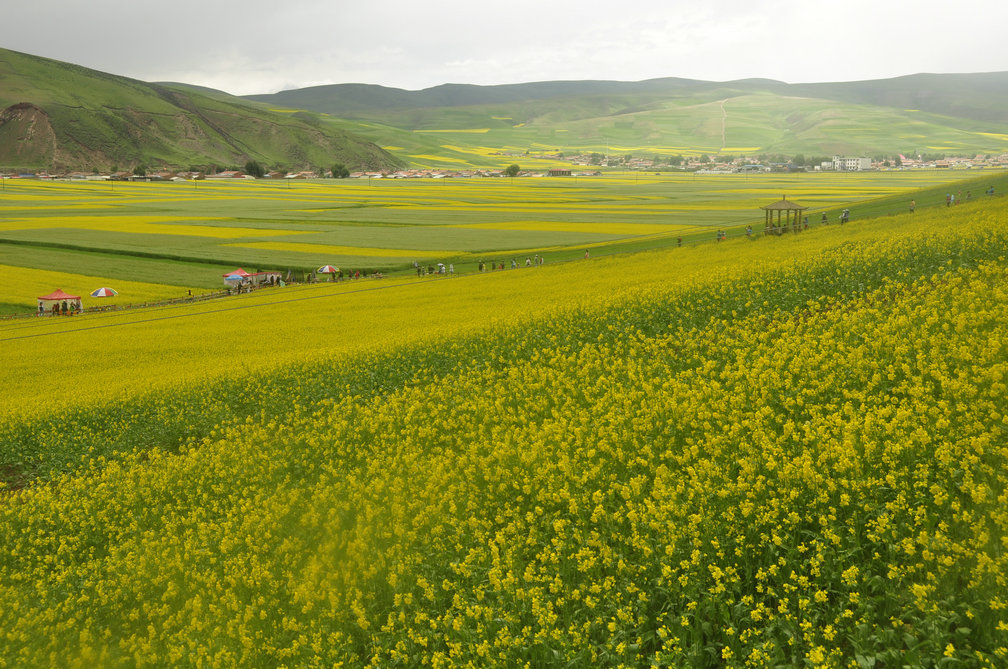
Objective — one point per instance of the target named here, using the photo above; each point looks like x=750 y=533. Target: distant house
x=559 y=173
x=842 y=164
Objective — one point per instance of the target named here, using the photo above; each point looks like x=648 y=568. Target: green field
x=189 y=234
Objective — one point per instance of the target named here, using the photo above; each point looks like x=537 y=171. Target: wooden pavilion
x=784 y=210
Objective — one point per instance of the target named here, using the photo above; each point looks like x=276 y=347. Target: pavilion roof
x=783 y=205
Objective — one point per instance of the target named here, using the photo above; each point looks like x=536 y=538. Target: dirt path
x=724 y=123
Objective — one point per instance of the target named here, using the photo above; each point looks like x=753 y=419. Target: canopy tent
x=237 y=275
x=269 y=277
x=58 y=294
x=59 y=302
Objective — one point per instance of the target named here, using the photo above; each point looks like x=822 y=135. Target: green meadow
x=716 y=122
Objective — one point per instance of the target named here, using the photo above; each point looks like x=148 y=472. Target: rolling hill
x=56 y=115
x=63 y=116
x=923 y=113
x=980 y=97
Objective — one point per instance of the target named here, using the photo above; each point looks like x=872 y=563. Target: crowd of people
x=63 y=308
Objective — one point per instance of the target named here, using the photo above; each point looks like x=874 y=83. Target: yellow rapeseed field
x=23 y=285
x=788 y=451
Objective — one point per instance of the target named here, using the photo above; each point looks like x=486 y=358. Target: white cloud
x=263 y=46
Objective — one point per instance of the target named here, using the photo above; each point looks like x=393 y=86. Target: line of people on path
x=530 y=261
x=429 y=270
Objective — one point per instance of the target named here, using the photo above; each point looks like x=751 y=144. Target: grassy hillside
x=981 y=96
x=61 y=116
x=961 y=114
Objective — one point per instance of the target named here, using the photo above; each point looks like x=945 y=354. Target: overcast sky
x=264 y=46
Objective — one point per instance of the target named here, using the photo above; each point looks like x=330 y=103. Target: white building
x=841 y=164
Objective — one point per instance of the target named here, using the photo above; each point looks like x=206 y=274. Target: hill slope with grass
x=58 y=115
x=55 y=115
x=924 y=113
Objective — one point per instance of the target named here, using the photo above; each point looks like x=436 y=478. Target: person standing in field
x=913 y=205
x=586 y=254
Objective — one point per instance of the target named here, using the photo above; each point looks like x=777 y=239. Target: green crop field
x=186 y=235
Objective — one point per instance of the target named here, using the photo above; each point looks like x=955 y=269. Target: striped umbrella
x=104 y=292
x=327 y=269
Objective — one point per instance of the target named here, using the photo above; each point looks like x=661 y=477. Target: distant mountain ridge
x=924 y=114
x=56 y=115
x=978 y=96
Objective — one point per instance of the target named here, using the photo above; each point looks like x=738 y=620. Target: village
x=582 y=165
